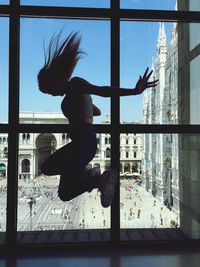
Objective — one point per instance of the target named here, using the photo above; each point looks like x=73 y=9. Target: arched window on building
x=135 y=141
x=25 y=165
x=135 y=154
x=64 y=138
x=126 y=167
x=135 y=167
x=5 y=152
x=2 y=170
x=127 y=141
x=23 y=138
x=127 y=154
x=4 y=140
x=97 y=167
x=0 y=141
x=98 y=140
x=106 y=140
x=28 y=138
x=108 y=152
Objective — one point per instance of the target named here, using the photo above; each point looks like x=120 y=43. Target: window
x=161 y=55
x=157 y=167
x=194 y=86
x=4 y=27
x=93 y=34
x=39 y=208
x=3 y=184
x=108 y=152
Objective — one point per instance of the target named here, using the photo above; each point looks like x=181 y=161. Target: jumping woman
x=70 y=161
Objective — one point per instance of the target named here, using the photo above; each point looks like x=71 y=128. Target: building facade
x=34 y=148
x=160 y=106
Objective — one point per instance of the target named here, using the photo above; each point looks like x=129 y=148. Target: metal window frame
x=14 y=11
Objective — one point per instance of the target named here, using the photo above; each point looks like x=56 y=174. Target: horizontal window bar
x=123 y=128
x=56 y=128
x=4 y=128
x=4 y=10
x=60 y=12
x=104 y=13
x=157 y=15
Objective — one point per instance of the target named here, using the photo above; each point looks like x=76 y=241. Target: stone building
x=160 y=106
x=34 y=148
x=3 y=154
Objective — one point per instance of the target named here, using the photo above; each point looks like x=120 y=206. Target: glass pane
x=4 y=70
x=194 y=91
x=39 y=207
x=146 y=4
x=94 y=66
x=152 y=45
x=160 y=186
x=4 y=2
x=194 y=35
x=149 y=181
x=189 y=66
x=149 y=190
x=189 y=147
x=68 y=3
x=194 y=5
x=3 y=182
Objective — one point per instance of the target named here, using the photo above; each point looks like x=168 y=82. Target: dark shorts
x=72 y=158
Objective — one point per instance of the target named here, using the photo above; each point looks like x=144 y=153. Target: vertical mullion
x=13 y=124
x=115 y=117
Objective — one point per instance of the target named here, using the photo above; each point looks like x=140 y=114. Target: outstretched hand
x=143 y=83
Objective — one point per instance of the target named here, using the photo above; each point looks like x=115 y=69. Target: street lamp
x=31 y=201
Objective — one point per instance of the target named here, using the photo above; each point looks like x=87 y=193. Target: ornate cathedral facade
x=160 y=106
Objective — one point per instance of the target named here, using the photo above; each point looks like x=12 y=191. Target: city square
x=39 y=208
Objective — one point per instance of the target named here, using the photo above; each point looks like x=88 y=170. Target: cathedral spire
x=161 y=35
x=176 y=6
x=162 y=40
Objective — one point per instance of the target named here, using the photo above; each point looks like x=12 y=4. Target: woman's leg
x=72 y=186
x=73 y=181
x=56 y=163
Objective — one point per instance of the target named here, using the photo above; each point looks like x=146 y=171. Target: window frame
x=14 y=11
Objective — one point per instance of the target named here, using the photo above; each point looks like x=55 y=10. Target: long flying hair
x=60 y=59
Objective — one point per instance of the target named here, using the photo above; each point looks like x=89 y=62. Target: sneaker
x=107 y=183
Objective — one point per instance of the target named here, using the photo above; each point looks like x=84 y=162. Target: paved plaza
x=39 y=208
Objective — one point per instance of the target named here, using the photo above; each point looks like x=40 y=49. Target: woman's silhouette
x=71 y=160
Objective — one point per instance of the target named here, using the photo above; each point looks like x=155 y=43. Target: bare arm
x=108 y=91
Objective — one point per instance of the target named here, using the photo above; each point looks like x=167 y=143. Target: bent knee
x=47 y=170
x=44 y=170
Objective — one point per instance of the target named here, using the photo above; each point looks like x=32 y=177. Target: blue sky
x=138 y=45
